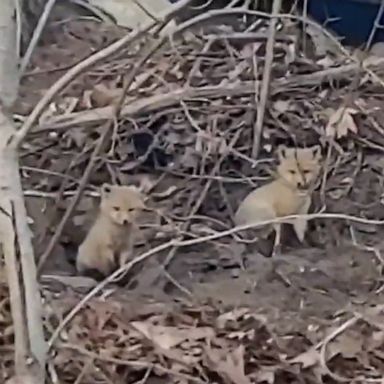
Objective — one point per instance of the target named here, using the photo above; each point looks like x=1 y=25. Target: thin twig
x=128 y=363
x=82 y=184
x=258 y=127
x=240 y=11
x=81 y=67
x=125 y=268
x=36 y=35
x=15 y=233
x=197 y=205
x=338 y=331
x=167 y=100
x=104 y=138
x=101 y=55
x=376 y=26
x=323 y=349
x=88 y=364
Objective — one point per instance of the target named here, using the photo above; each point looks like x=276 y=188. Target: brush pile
x=187 y=132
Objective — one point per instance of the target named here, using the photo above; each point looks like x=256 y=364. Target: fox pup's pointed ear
x=135 y=189
x=281 y=152
x=316 y=152
x=106 y=189
x=142 y=204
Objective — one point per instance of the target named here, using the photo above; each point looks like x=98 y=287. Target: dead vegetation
x=181 y=116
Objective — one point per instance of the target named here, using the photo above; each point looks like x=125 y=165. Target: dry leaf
x=231 y=368
x=103 y=96
x=377 y=49
x=341 y=122
x=307 y=359
x=323 y=94
x=168 y=337
x=281 y=106
x=234 y=315
x=79 y=137
x=377 y=340
x=326 y=62
x=348 y=344
x=266 y=375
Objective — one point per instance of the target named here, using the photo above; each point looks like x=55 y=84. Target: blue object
x=356 y=18
x=351 y=19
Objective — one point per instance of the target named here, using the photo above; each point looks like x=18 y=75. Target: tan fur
x=110 y=239
x=288 y=194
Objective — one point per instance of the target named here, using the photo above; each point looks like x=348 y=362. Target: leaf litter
x=177 y=147
x=341 y=122
x=205 y=343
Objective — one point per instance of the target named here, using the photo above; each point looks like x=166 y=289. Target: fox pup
x=109 y=242
x=288 y=194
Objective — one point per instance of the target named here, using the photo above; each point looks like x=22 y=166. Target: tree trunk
x=15 y=236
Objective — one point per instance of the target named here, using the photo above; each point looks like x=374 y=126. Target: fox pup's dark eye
x=130 y=210
x=117 y=209
x=292 y=172
x=306 y=172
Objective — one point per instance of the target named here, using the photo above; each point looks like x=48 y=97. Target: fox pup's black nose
x=301 y=184
x=125 y=221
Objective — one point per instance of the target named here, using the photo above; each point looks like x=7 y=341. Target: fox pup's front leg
x=95 y=262
x=126 y=253
x=300 y=224
x=108 y=263
x=124 y=256
x=277 y=242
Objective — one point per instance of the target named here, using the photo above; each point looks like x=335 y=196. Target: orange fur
x=288 y=194
x=110 y=240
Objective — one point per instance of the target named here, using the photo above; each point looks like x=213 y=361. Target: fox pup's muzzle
x=303 y=187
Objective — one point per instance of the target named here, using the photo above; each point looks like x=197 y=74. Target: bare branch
x=15 y=234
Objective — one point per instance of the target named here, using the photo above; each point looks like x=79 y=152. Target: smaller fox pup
x=109 y=242
x=288 y=194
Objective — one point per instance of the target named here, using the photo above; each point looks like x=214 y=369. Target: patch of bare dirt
x=186 y=132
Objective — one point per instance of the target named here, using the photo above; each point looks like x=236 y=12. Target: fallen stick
x=103 y=140
x=167 y=100
x=19 y=136
x=265 y=84
x=36 y=35
x=185 y=243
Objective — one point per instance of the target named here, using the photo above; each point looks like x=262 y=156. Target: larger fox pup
x=288 y=194
x=110 y=240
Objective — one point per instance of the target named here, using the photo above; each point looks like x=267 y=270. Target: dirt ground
x=303 y=283
x=337 y=270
